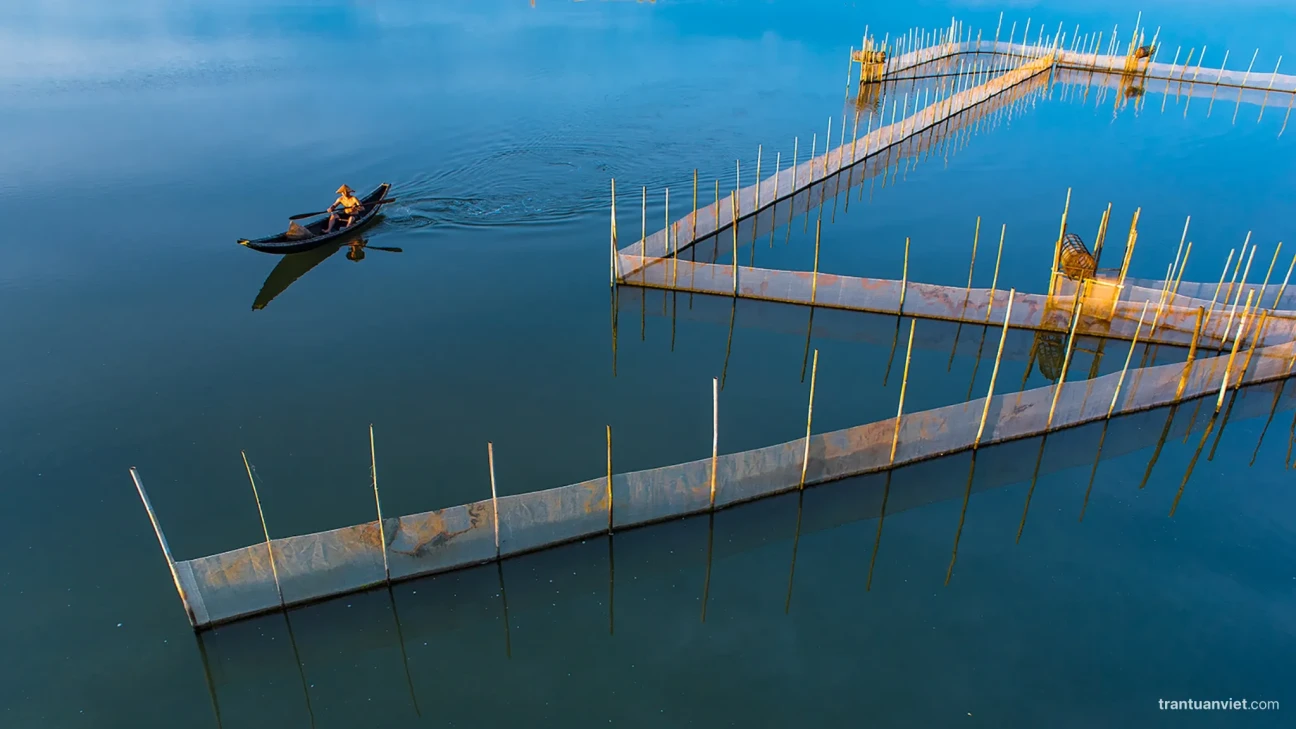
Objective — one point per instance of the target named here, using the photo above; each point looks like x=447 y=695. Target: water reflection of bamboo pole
x=877 y=541
x=796 y=541
x=616 y=297
x=1156 y=453
x=1272 y=410
x=1039 y=459
x=301 y=669
x=274 y=570
x=211 y=685
x=400 y=640
x=994 y=374
x=967 y=495
x=1223 y=424
x=1094 y=471
x=508 y=638
x=1133 y=343
x=706 y=584
x=904 y=383
x=611 y=585
x=805 y=458
x=1192 y=463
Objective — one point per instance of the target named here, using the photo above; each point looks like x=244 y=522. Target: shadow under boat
x=295 y=265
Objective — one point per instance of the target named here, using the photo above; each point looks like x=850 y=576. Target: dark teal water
x=142 y=139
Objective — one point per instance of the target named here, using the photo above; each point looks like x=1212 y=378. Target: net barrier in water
x=244 y=582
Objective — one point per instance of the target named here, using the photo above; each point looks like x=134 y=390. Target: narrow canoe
x=281 y=243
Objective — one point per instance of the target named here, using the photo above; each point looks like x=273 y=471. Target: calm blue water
x=143 y=138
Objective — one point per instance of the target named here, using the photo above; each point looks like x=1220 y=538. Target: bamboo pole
x=758 y=178
x=609 y=477
x=1264 y=286
x=1255 y=341
x=904 y=383
x=1228 y=365
x=814 y=276
x=695 y=208
x=1220 y=285
x=1192 y=353
x=643 y=235
x=904 y=276
x=1057 y=248
x=490 y=460
x=994 y=373
x=382 y=530
x=1228 y=325
x=1283 y=288
x=162 y=542
x=1179 y=278
x=994 y=283
x=795 y=142
x=274 y=570
x=615 y=256
x=1133 y=344
x=1066 y=359
x=1129 y=246
x=976 y=235
x=715 y=436
x=733 y=201
x=805 y=459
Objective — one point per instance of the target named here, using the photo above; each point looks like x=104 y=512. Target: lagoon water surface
x=143 y=138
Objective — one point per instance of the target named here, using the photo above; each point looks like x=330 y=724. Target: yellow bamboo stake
x=995 y=282
x=1228 y=366
x=643 y=234
x=609 y=477
x=1057 y=247
x=162 y=542
x=994 y=373
x=382 y=531
x=1269 y=273
x=1283 y=288
x=1129 y=246
x=695 y=200
x=814 y=275
x=904 y=276
x=274 y=570
x=1219 y=285
x=715 y=435
x=1133 y=344
x=615 y=254
x=490 y=459
x=805 y=459
x=1175 y=291
x=976 y=235
x=1228 y=325
x=904 y=383
x=1255 y=341
x=733 y=201
x=1192 y=353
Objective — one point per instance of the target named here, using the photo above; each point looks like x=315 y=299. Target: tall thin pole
x=904 y=383
x=1228 y=365
x=733 y=200
x=166 y=550
x=1133 y=344
x=614 y=235
x=490 y=460
x=805 y=458
x=382 y=530
x=274 y=570
x=695 y=201
x=715 y=435
x=994 y=373
x=609 y=477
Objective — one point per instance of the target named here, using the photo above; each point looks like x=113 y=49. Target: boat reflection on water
x=295 y=265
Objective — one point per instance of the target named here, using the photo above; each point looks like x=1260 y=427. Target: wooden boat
x=282 y=243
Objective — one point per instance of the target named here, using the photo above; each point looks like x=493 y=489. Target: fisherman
x=350 y=205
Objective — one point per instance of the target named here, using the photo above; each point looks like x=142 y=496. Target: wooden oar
x=299 y=216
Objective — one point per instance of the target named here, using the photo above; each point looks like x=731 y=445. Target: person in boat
x=348 y=205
